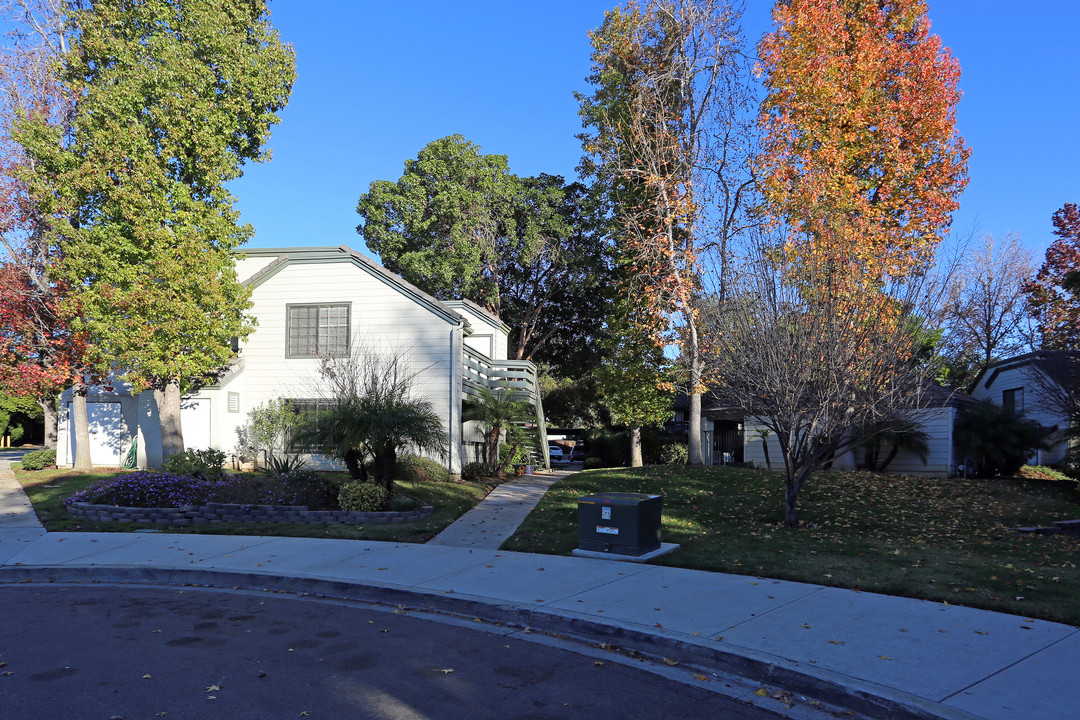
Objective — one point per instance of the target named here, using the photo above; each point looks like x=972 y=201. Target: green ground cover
x=949 y=540
x=48 y=488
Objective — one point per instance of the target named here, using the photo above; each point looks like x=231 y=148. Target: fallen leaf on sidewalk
x=837 y=642
x=670 y=661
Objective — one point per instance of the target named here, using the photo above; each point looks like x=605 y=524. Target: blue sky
x=379 y=80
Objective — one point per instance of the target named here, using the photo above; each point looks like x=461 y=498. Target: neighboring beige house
x=308 y=302
x=727 y=436
x=1023 y=384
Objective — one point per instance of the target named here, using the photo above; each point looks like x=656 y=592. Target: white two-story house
x=1035 y=386
x=308 y=303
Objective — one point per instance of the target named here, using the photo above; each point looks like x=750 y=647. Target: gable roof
x=284 y=257
x=1061 y=366
x=479 y=312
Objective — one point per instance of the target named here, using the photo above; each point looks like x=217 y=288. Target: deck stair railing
x=481 y=371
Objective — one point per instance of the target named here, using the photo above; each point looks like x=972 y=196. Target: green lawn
x=945 y=540
x=48 y=488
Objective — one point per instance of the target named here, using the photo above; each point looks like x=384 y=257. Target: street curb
x=865 y=698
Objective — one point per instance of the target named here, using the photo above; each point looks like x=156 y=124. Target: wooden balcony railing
x=479 y=371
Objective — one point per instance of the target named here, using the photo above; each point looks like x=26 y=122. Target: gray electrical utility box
x=619 y=523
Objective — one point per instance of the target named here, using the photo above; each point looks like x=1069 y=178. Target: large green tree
x=458 y=224
x=173 y=98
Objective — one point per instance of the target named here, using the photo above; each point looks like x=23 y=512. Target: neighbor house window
x=307 y=412
x=318 y=330
x=1013 y=400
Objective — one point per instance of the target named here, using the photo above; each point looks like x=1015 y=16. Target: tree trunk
x=790 y=496
x=635 y=447
x=385 y=467
x=172 y=434
x=48 y=410
x=765 y=449
x=354 y=462
x=82 y=428
x=694 y=421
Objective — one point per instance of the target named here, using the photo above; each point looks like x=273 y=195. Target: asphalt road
x=108 y=652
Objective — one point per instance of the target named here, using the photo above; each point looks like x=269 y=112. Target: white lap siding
x=936 y=422
x=381 y=318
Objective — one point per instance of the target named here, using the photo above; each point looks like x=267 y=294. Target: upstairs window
x=318 y=330
x=1013 y=400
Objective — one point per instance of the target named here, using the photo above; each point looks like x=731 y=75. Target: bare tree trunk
x=82 y=428
x=48 y=410
x=635 y=446
x=172 y=434
x=694 y=430
x=694 y=421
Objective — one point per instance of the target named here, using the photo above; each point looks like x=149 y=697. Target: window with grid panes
x=318 y=330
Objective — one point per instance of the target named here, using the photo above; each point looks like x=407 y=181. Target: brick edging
x=231 y=512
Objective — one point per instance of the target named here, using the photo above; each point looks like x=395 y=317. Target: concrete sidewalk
x=496 y=518
x=880 y=656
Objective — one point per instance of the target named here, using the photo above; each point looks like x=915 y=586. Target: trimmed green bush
x=205 y=464
x=413 y=468
x=363 y=497
x=477 y=469
x=591 y=463
x=39 y=459
x=674 y=454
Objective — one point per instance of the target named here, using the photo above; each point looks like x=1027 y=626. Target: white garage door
x=108 y=436
x=195 y=422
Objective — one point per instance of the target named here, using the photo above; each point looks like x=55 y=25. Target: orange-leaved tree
x=860 y=157
x=860 y=170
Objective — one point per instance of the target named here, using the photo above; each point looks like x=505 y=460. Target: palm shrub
x=907 y=436
x=375 y=427
x=996 y=439
x=497 y=410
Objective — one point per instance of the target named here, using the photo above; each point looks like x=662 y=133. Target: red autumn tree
x=861 y=157
x=1054 y=294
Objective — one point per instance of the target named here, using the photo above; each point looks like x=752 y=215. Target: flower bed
x=215 y=512
x=154 y=497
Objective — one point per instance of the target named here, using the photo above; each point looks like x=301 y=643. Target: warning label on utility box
x=607 y=530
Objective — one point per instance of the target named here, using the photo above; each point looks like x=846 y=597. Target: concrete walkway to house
x=496 y=517
x=881 y=656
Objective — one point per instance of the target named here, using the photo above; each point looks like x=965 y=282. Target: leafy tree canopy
x=173 y=98
x=459 y=224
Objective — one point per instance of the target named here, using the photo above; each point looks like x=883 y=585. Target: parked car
x=555 y=452
x=577 y=453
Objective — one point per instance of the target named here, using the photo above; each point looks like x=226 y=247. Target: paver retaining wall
x=227 y=512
